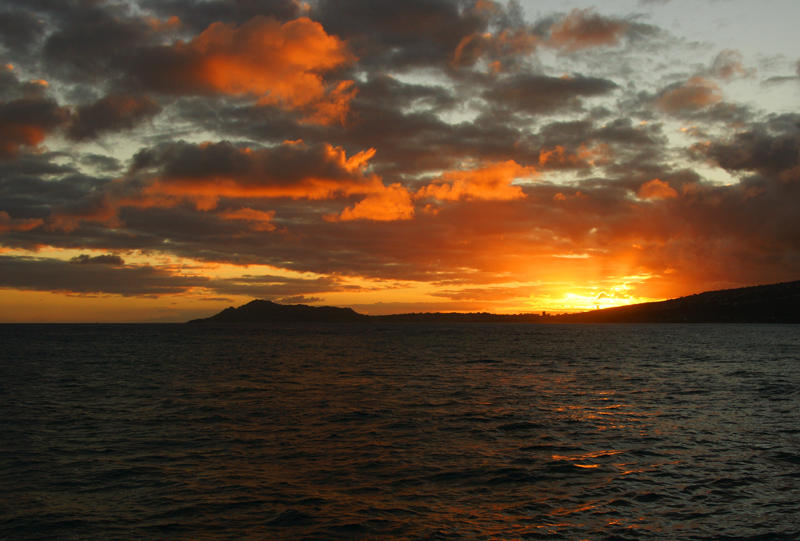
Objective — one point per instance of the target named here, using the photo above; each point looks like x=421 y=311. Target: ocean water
x=406 y=431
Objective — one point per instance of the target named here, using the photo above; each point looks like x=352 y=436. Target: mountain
x=260 y=311
x=774 y=303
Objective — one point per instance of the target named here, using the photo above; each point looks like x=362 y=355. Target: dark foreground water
x=400 y=431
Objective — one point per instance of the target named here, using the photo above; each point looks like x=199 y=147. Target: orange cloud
x=97 y=210
x=204 y=173
x=491 y=182
x=656 y=189
x=171 y=23
x=259 y=220
x=695 y=93
x=14 y=135
x=583 y=28
x=509 y=42
x=279 y=63
x=391 y=204
x=559 y=157
x=7 y=223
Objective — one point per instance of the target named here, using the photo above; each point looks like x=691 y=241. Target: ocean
x=400 y=431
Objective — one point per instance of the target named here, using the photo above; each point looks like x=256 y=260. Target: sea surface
x=406 y=431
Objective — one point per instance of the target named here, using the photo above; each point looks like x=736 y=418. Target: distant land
x=773 y=303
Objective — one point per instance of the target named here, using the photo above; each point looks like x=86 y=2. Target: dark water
x=404 y=431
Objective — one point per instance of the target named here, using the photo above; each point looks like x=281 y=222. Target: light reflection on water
x=407 y=431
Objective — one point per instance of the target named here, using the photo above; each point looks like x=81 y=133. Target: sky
x=161 y=160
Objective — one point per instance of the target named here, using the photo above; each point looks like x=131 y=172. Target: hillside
x=260 y=311
x=774 y=303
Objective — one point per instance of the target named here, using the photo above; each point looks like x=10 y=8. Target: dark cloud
x=770 y=148
x=278 y=287
x=400 y=35
x=298 y=299
x=47 y=274
x=197 y=16
x=546 y=95
x=19 y=30
x=107 y=164
x=26 y=122
x=114 y=112
x=284 y=165
x=9 y=223
x=106 y=259
x=94 y=40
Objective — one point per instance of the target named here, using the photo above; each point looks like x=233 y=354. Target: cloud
x=770 y=148
x=25 y=121
x=93 y=41
x=656 y=189
x=49 y=274
x=278 y=287
x=19 y=30
x=106 y=259
x=7 y=223
x=298 y=299
x=498 y=48
x=696 y=93
x=583 y=28
x=95 y=208
x=258 y=220
x=392 y=203
x=546 y=95
x=206 y=172
x=491 y=182
x=401 y=35
x=198 y=16
x=114 y=112
x=279 y=64
x=728 y=64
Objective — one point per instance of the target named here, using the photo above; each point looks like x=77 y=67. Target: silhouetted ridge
x=774 y=303
x=260 y=311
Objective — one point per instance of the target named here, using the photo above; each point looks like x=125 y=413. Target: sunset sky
x=163 y=159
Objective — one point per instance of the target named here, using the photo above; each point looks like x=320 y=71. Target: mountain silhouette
x=260 y=311
x=773 y=303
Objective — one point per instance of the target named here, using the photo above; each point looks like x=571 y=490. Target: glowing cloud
x=204 y=173
x=391 y=204
x=7 y=223
x=259 y=220
x=489 y=183
x=583 y=28
x=656 y=189
x=695 y=93
x=277 y=63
